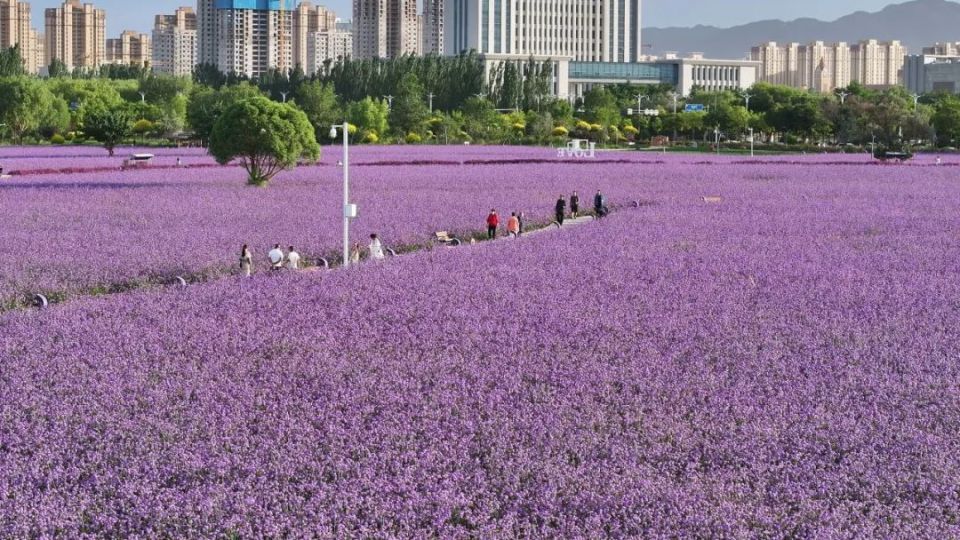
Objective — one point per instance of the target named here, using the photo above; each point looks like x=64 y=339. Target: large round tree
x=267 y=137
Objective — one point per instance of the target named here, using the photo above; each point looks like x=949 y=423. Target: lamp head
x=333 y=132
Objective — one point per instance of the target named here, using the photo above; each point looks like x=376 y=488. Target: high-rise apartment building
x=943 y=49
x=432 y=27
x=175 y=43
x=308 y=20
x=130 y=49
x=16 y=28
x=76 y=34
x=824 y=67
x=582 y=30
x=325 y=48
x=385 y=28
x=248 y=37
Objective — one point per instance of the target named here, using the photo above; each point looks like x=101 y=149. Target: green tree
x=946 y=121
x=319 y=103
x=206 y=105
x=108 y=127
x=409 y=111
x=57 y=69
x=26 y=103
x=482 y=122
x=267 y=137
x=370 y=116
x=11 y=62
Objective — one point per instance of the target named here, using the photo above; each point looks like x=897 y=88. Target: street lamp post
x=349 y=210
x=843 y=96
x=751 y=141
x=430 y=95
x=916 y=101
x=675 y=96
x=284 y=95
x=143 y=97
x=716 y=136
x=746 y=97
x=640 y=98
x=389 y=101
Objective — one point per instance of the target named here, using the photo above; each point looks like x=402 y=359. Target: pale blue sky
x=138 y=14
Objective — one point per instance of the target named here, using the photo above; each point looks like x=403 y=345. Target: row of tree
x=441 y=99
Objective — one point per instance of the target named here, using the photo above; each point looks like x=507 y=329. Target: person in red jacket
x=493 y=221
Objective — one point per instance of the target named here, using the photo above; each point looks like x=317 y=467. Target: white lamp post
x=716 y=135
x=430 y=95
x=843 y=96
x=640 y=98
x=284 y=94
x=143 y=97
x=751 y=142
x=349 y=210
x=746 y=97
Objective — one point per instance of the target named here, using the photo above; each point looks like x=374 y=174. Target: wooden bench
x=137 y=161
x=444 y=238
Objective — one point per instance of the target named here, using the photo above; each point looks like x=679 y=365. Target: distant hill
x=917 y=24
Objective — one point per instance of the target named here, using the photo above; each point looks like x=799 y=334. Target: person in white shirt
x=376 y=249
x=276 y=258
x=293 y=259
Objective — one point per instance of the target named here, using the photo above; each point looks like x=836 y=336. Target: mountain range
x=917 y=24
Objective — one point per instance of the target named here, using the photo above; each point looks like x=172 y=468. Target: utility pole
x=675 y=96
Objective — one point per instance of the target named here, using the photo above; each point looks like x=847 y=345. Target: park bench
x=443 y=237
x=712 y=199
x=899 y=156
x=136 y=161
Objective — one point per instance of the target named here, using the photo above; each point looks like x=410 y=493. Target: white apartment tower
x=824 y=67
x=175 y=43
x=16 y=29
x=581 y=30
x=308 y=20
x=248 y=37
x=325 y=48
x=130 y=49
x=76 y=35
x=385 y=28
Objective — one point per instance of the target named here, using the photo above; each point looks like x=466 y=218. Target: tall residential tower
x=175 y=43
x=76 y=34
x=385 y=28
x=16 y=29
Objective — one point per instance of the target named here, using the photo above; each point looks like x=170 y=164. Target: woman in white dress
x=376 y=249
x=246 y=261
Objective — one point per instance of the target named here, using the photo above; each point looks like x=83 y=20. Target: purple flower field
x=93 y=232
x=783 y=364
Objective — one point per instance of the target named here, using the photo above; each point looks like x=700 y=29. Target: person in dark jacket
x=493 y=222
x=574 y=205
x=561 y=209
x=599 y=204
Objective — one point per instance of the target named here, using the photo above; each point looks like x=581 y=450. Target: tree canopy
x=267 y=137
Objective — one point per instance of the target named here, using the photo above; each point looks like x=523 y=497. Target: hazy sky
x=138 y=14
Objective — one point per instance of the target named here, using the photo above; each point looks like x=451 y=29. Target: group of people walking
x=291 y=260
x=515 y=223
